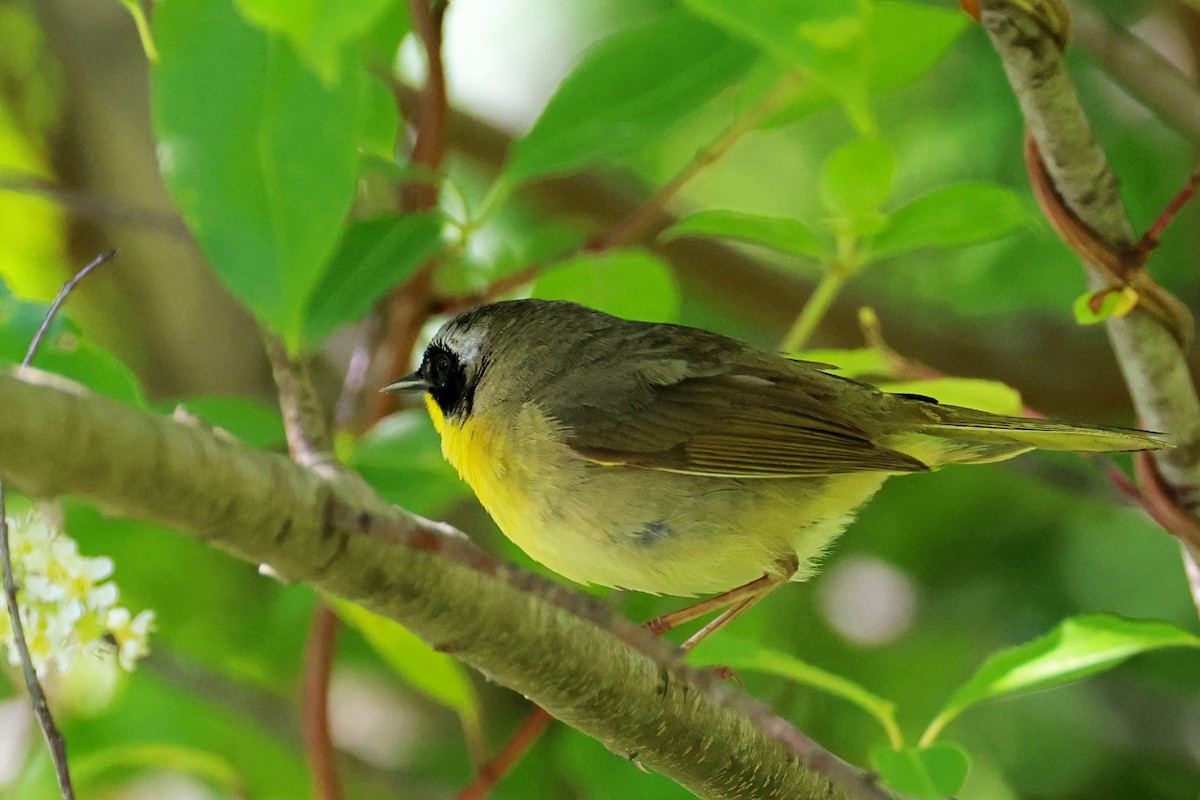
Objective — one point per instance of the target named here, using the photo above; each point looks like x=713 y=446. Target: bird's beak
x=414 y=382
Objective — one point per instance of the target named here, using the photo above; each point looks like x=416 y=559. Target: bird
x=673 y=460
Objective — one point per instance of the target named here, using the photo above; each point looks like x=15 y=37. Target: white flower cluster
x=67 y=604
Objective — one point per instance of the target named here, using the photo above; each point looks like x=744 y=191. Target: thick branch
x=576 y=658
x=1151 y=360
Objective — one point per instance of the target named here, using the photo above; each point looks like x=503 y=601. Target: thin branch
x=304 y=424
x=643 y=218
x=311 y=444
x=1140 y=69
x=408 y=307
x=572 y=655
x=429 y=148
x=509 y=756
x=318 y=667
x=37 y=697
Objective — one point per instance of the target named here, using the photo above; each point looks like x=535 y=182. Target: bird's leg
x=734 y=602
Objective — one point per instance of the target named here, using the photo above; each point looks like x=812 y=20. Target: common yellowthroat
x=673 y=460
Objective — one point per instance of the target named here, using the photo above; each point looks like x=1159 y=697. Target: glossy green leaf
x=799 y=33
x=628 y=91
x=251 y=421
x=903 y=42
x=63 y=350
x=952 y=216
x=931 y=773
x=436 y=675
x=628 y=283
x=825 y=41
x=319 y=30
x=259 y=154
x=856 y=179
x=402 y=458
x=1076 y=648
x=783 y=234
x=372 y=257
x=745 y=655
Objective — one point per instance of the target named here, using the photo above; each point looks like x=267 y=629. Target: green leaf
x=903 y=42
x=259 y=154
x=802 y=34
x=63 y=351
x=783 y=234
x=319 y=30
x=626 y=93
x=824 y=40
x=373 y=256
x=402 y=458
x=862 y=362
x=628 y=283
x=930 y=773
x=952 y=216
x=1076 y=648
x=984 y=395
x=856 y=179
x=750 y=656
x=1098 y=306
x=380 y=123
x=436 y=675
x=251 y=421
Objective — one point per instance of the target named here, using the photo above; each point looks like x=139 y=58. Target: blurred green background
x=939 y=571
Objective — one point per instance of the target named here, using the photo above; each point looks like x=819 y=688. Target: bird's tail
x=977 y=437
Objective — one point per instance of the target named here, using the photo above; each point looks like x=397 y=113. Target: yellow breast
x=484 y=457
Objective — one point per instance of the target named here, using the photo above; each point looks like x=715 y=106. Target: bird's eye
x=441 y=369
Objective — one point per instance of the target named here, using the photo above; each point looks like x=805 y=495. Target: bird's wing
x=728 y=411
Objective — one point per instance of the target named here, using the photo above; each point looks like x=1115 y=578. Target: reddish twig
x=429 y=147
x=510 y=755
x=1149 y=241
x=1117 y=266
x=409 y=304
x=636 y=224
x=55 y=742
x=318 y=667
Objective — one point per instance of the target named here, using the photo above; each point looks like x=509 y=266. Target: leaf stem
x=814 y=310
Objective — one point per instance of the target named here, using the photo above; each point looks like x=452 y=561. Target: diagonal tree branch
x=1030 y=37
x=575 y=657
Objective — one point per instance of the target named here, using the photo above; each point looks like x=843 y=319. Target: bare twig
x=318 y=667
x=310 y=443
x=509 y=756
x=643 y=218
x=304 y=424
x=408 y=307
x=41 y=710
